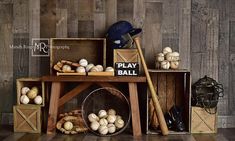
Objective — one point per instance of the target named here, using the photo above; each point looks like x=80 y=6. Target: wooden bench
x=56 y=101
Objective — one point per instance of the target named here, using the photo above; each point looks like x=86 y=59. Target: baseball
x=165 y=64
x=111 y=112
x=83 y=62
x=109 y=69
x=80 y=69
x=24 y=90
x=169 y=56
x=66 y=68
x=119 y=123
x=95 y=125
x=111 y=118
x=160 y=57
x=103 y=130
x=118 y=117
x=88 y=67
x=103 y=122
x=24 y=99
x=167 y=50
x=68 y=125
x=100 y=67
x=102 y=114
x=32 y=93
x=111 y=128
x=38 y=100
x=174 y=64
x=175 y=56
x=94 y=69
x=93 y=117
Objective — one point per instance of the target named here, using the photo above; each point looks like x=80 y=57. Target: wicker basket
x=106 y=98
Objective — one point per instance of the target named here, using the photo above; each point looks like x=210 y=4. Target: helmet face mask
x=205 y=93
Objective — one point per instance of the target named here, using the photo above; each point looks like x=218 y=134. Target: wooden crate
x=173 y=87
x=27 y=118
x=203 y=122
x=74 y=49
x=127 y=56
x=30 y=82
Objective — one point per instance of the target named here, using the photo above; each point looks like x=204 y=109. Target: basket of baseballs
x=106 y=112
x=83 y=67
x=31 y=96
x=167 y=59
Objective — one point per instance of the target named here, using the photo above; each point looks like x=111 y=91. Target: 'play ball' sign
x=126 y=69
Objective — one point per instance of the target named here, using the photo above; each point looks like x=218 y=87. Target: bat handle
x=156 y=103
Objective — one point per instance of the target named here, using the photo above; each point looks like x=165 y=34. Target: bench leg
x=135 y=109
x=53 y=108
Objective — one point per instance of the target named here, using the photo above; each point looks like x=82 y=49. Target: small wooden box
x=203 y=122
x=173 y=87
x=74 y=49
x=27 y=118
x=30 y=82
x=125 y=55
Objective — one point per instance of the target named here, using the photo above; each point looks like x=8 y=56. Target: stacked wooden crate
x=27 y=117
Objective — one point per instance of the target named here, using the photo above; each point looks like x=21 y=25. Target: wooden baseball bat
x=156 y=103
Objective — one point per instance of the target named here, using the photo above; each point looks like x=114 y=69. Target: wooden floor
x=6 y=134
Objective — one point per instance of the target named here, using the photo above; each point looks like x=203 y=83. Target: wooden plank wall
x=203 y=31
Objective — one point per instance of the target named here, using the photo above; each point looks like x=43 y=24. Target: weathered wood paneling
x=6 y=53
x=34 y=32
x=203 y=31
x=20 y=42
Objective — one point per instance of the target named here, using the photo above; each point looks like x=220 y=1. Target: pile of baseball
x=32 y=95
x=167 y=59
x=84 y=66
x=106 y=122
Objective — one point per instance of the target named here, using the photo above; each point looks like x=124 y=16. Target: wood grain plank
x=110 y=12
x=152 y=39
x=170 y=24
x=184 y=33
x=99 y=18
x=61 y=23
x=179 y=89
x=134 y=102
x=85 y=10
x=212 y=44
x=6 y=12
x=162 y=91
x=99 y=25
x=125 y=10
x=139 y=13
x=53 y=108
x=170 y=91
x=99 y=6
x=6 y=69
x=74 y=9
x=86 y=29
x=47 y=28
x=223 y=56
x=34 y=32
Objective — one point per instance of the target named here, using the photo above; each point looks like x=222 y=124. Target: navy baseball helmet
x=116 y=33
